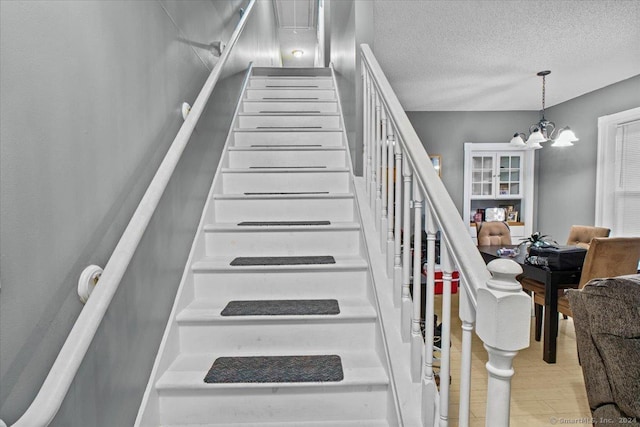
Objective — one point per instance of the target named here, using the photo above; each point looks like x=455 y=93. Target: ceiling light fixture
x=544 y=130
x=297 y=53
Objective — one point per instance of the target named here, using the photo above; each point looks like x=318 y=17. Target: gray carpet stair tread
x=284 y=260
x=282 y=307
x=279 y=223
x=276 y=369
x=287 y=167
x=285 y=192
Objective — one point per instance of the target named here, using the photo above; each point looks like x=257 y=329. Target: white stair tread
x=288 y=101
x=286 y=113
x=222 y=263
x=187 y=371
x=284 y=169
x=249 y=100
x=286 y=130
x=288 y=81
x=335 y=423
x=234 y=227
x=283 y=196
x=290 y=76
x=288 y=148
x=292 y=89
x=208 y=311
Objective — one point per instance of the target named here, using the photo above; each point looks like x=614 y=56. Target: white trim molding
x=607 y=127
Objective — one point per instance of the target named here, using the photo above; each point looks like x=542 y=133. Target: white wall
x=91 y=95
x=341 y=29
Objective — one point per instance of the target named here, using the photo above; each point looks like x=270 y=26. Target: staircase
x=275 y=322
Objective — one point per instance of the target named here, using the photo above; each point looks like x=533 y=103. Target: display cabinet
x=498 y=175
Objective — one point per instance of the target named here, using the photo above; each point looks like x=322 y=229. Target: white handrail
x=55 y=387
x=466 y=256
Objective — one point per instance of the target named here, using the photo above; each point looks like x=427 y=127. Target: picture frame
x=436 y=161
x=507 y=208
x=512 y=216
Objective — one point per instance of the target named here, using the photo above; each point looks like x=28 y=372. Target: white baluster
x=372 y=143
x=390 y=202
x=378 y=157
x=384 y=172
x=416 y=334
x=397 y=235
x=467 y=315
x=406 y=307
x=366 y=160
x=503 y=325
x=428 y=380
x=445 y=333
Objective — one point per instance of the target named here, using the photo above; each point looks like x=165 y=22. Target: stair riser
x=286 y=335
x=282 y=243
x=324 y=139
x=283 y=82
x=291 y=158
x=259 y=182
x=287 y=121
x=274 y=404
x=301 y=106
x=275 y=209
x=281 y=285
x=291 y=94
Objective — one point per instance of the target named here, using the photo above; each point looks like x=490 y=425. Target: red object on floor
x=438 y=278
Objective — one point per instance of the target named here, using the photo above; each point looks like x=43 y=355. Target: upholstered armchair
x=493 y=233
x=581 y=235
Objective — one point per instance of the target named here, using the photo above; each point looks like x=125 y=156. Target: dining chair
x=494 y=233
x=581 y=235
x=606 y=257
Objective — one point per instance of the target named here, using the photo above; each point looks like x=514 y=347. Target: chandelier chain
x=543 y=93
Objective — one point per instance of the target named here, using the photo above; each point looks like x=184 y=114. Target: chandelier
x=544 y=130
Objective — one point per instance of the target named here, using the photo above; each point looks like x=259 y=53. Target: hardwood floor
x=541 y=392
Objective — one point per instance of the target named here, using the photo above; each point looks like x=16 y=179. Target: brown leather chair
x=606 y=257
x=494 y=233
x=581 y=235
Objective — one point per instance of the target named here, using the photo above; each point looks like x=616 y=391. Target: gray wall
x=444 y=134
x=567 y=176
x=349 y=24
x=91 y=95
x=341 y=27
x=365 y=27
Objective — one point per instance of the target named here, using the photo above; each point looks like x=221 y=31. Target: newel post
x=503 y=324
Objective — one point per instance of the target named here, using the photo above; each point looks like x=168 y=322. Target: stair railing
x=399 y=177
x=55 y=387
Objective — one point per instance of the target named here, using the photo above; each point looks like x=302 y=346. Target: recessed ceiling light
x=297 y=53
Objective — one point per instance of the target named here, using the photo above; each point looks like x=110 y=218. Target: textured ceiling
x=484 y=55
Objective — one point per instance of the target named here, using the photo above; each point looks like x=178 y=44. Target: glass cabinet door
x=509 y=176
x=482 y=171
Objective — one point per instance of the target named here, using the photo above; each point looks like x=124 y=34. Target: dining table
x=553 y=280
